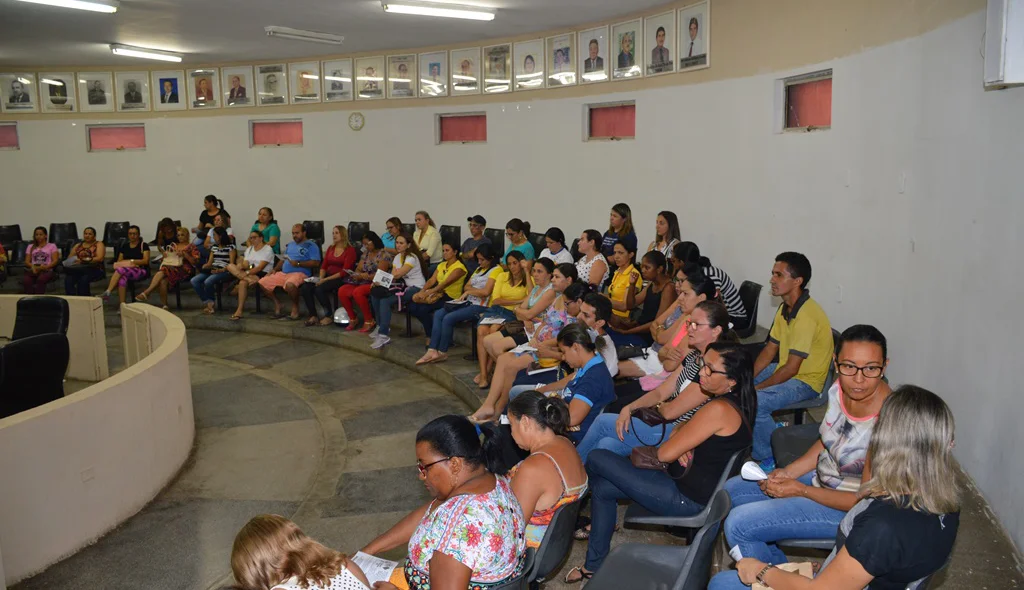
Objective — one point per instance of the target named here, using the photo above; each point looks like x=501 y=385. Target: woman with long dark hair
x=592 y=266
x=620 y=230
x=88 y=265
x=268 y=228
x=666 y=233
x=409 y=266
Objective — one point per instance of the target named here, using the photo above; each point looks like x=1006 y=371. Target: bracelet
x=760 y=575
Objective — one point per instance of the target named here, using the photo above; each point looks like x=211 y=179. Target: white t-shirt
x=255 y=257
x=413 y=278
x=563 y=256
x=607 y=352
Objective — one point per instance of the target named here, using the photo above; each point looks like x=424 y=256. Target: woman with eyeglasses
x=471 y=533
x=394 y=228
x=518 y=233
x=809 y=497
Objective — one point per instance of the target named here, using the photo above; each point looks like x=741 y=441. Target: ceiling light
x=50 y=82
x=420 y=8
x=300 y=35
x=109 y=6
x=128 y=51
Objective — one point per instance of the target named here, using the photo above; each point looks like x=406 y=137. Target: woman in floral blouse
x=471 y=535
x=174 y=270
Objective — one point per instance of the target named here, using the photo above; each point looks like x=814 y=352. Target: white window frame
x=782 y=104
x=604 y=105
x=438 y=117
x=17 y=136
x=254 y=122
x=88 y=138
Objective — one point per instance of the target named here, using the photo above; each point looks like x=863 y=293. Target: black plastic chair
x=32 y=372
x=451 y=234
x=520 y=582
x=314 y=231
x=649 y=567
x=10 y=235
x=114 y=232
x=497 y=239
x=538 y=242
x=356 y=231
x=750 y=294
x=64 y=235
x=409 y=228
x=791 y=442
x=41 y=314
x=557 y=543
x=800 y=408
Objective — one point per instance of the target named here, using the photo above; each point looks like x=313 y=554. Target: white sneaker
x=380 y=341
x=374 y=332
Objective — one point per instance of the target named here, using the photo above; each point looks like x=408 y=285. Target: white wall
x=936 y=266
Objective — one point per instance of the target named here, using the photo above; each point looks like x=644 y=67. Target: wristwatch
x=760 y=575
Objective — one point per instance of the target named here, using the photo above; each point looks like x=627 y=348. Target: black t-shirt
x=135 y=253
x=205 y=218
x=896 y=545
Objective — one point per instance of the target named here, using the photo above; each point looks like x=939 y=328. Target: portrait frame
x=497 y=63
x=193 y=79
x=527 y=78
x=337 y=80
x=271 y=85
x=397 y=88
x=561 y=60
x=304 y=82
x=141 y=80
x=89 y=103
x=177 y=80
x=652 y=24
x=598 y=71
x=433 y=85
x=246 y=84
x=463 y=83
x=54 y=86
x=621 y=69
x=29 y=90
x=700 y=11
x=370 y=85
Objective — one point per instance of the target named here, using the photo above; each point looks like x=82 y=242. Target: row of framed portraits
x=675 y=41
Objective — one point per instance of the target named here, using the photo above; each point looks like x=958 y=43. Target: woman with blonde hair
x=340 y=258
x=903 y=528
x=179 y=264
x=428 y=239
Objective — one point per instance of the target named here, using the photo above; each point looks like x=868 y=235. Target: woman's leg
x=154 y=284
x=163 y=292
x=603 y=427
x=382 y=307
x=486 y=362
x=505 y=371
x=323 y=291
x=496 y=344
x=28 y=283
x=70 y=284
x=361 y=294
x=727 y=580
x=307 y=291
x=114 y=278
x=236 y=271
x=345 y=300
x=210 y=286
x=448 y=323
x=243 y=292
x=197 y=284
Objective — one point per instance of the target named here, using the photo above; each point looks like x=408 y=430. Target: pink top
x=40 y=256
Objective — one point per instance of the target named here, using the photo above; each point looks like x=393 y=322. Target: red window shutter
x=463 y=128
x=8 y=136
x=277 y=133
x=116 y=138
x=809 y=104
x=613 y=121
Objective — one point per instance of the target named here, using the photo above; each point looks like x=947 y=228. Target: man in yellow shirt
x=802 y=337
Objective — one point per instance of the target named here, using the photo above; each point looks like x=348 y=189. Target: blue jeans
x=602 y=435
x=381 y=307
x=613 y=478
x=205 y=284
x=772 y=399
x=445 y=322
x=78 y=278
x=757 y=521
x=727 y=580
x=424 y=312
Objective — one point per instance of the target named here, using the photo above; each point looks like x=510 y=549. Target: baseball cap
x=477 y=219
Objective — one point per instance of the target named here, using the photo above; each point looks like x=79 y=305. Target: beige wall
x=86 y=336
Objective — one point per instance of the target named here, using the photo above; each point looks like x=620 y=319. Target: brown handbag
x=647 y=458
x=428 y=298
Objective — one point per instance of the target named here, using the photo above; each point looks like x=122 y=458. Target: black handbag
x=630 y=351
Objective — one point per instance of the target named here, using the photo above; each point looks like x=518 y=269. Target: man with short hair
x=594 y=63
x=18 y=93
x=695 y=45
x=131 y=93
x=97 y=95
x=237 y=90
x=477 y=224
x=661 y=61
x=301 y=256
x=802 y=337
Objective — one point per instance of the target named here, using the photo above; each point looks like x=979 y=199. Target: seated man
x=301 y=256
x=802 y=337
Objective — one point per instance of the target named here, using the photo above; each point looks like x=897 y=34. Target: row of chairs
x=33 y=363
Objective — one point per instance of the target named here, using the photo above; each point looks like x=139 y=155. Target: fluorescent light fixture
x=462 y=77
x=301 y=35
x=158 y=55
x=370 y=78
x=420 y=8
x=109 y=7
x=50 y=82
x=310 y=77
x=337 y=79
x=24 y=80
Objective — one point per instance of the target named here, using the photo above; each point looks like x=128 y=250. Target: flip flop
x=310 y=322
x=235 y=317
x=583 y=575
x=277 y=316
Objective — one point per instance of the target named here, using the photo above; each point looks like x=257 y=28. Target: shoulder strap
x=565 y=484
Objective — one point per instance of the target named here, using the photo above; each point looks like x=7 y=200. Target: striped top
x=730 y=295
x=690 y=372
x=221 y=256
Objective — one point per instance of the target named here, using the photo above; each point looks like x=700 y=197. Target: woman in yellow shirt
x=428 y=239
x=509 y=291
x=626 y=278
x=444 y=285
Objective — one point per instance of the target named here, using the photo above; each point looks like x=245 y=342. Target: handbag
x=630 y=351
x=428 y=298
x=647 y=458
x=650 y=417
x=450 y=306
x=171 y=258
x=516 y=327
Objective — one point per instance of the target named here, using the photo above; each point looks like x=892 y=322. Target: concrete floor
x=311 y=424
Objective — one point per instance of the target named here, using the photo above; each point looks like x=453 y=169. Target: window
x=278 y=133
x=9 y=136
x=807 y=102
x=116 y=138
x=462 y=128
x=610 y=121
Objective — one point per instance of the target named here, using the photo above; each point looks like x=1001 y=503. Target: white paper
x=375 y=568
x=383 y=279
x=313 y=280
x=735 y=553
x=492 y=321
x=752 y=472
x=523 y=348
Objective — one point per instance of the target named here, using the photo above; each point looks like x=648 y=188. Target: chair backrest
x=41 y=314
x=314 y=230
x=520 y=582
x=750 y=295
x=63 y=232
x=114 y=231
x=10 y=234
x=451 y=234
x=497 y=239
x=538 y=242
x=32 y=372
x=557 y=542
x=356 y=231
x=732 y=468
x=409 y=228
x=17 y=254
x=696 y=566
x=830 y=378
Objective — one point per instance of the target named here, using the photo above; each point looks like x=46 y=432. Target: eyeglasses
x=706 y=368
x=850 y=369
x=694 y=325
x=678 y=281
x=423 y=468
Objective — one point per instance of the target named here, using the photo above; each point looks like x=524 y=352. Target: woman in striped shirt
x=215 y=271
x=689 y=253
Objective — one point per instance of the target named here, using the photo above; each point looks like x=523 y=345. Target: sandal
x=326 y=321
x=584 y=575
x=311 y=321
x=141 y=297
x=235 y=317
x=276 y=315
x=583 y=533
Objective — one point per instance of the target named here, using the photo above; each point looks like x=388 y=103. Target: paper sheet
x=375 y=568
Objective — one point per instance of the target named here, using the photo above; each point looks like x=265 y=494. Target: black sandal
x=583 y=575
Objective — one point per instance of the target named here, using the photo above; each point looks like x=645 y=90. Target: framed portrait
x=132 y=91
x=304 y=78
x=528 y=64
x=465 y=71
x=498 y=68
x=168 y=90
x=96 y=90
x=694 y=36
x=236 y=83
x=402 y=76
x=337 y=80
x=19 y=93
x=370 y=78
x=203 y=88
x=434 y=74
x=271 y=85
x=57 y=92
x=659 y=35
x=628 y=52
x=593 y=55
x=561 y=52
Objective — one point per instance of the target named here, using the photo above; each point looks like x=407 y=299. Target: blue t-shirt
x=388 y=239
x=593 y=385
x=611 y=238
x=526 y=248
x=307 y=250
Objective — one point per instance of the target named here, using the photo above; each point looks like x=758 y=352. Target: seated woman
x=132 y=264
x=518 y=233
x=509 y=291
x=394 y=228
x=553 y=475
x=215 y=271
x=272 y=553
x=666 y=234
x=656 y=298
x=88 y=265
x=41 y=257
x=625 y=283
x=268 y=228
x=212 y=206
x=556 y=249
x=428 y=240
x=3 y=264
x=258 y=259
x=470 y=535
x=903 y=527
x=590 y=386
x=696 y=454
x=541 y=296
x=166 y=234
x=688 y=253
x=339 y=258
x=809 y=497
x=220 y=220
x=357 y=286
x=620 y=230
x=592 y=265
x=181 y=266
x=409 y=266
x=443 y=286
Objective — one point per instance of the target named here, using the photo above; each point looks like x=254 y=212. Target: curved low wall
x=73 y=469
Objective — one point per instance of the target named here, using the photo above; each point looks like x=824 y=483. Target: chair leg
x=798 y=417
x=177 y=295
x=220 y=290
x=258 y=294
x=408 y=323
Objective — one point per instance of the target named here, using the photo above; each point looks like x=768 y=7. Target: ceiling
x=212 y=31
